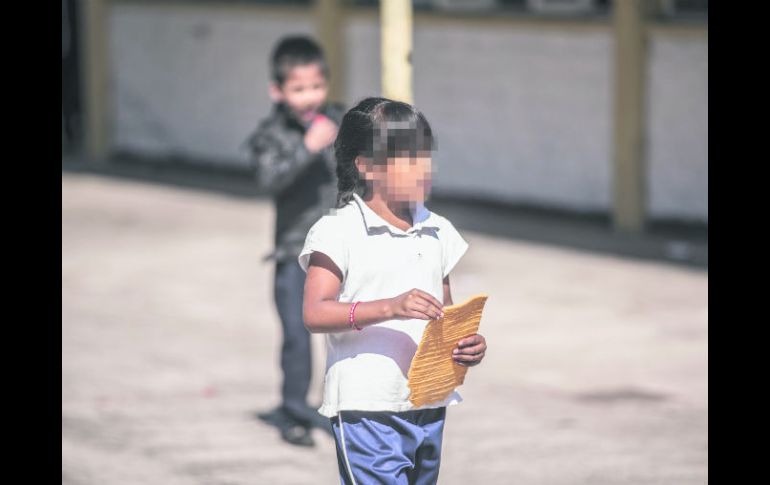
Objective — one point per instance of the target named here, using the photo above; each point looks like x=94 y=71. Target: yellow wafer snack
x=433 y=374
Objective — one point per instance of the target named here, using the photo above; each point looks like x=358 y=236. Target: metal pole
x=629 y=174
x=329 y=27
x=94 y=78
x=396 y=49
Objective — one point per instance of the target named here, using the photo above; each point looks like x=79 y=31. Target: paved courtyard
x=596 y=371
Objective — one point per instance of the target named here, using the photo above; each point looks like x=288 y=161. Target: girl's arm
x=447 y=292
x=322 y=312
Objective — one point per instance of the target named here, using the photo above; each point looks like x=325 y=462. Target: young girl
x=377 y=271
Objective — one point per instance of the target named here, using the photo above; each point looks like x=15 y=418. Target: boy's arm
x=277 y=167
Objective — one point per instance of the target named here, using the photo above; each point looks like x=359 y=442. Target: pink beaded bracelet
x=351 y=318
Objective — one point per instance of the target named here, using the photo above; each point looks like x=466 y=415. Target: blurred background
x=572 y=155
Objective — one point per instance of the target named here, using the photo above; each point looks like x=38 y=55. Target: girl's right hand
x=416 y=304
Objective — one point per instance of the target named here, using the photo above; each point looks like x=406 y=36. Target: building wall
x=523 y=115
x=677 y=126
x=191 y=81
x=522 y=112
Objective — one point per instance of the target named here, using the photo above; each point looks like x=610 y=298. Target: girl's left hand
x=470 y=350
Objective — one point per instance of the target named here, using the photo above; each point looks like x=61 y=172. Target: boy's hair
x=377 y=128
x=295 y=51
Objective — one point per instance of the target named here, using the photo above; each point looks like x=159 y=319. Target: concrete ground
x=596 y=371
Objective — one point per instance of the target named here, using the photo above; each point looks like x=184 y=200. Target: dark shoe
x=310 y=417
x=322 y=422
x=297 y=435
x=274 y=417
x=293 y=431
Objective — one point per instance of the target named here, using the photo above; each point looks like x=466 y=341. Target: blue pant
x=389 y=448
x=296 y=357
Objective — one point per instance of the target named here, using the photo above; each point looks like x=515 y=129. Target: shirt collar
x=421 y=217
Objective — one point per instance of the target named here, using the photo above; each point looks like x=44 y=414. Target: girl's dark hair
x=377 y=128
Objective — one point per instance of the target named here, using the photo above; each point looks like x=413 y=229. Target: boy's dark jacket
x=303 y=185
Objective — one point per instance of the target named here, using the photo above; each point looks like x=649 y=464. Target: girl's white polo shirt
x=367 y=370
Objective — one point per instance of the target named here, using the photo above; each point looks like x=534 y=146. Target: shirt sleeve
x=453 y=246
x=277 y=164
x=326 y=238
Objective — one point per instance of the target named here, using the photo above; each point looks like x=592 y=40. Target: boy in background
x=292 y=152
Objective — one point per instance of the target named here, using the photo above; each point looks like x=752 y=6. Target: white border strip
x=344 y=452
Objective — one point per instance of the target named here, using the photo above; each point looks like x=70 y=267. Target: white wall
x=522 y=114
x=192 y=81
x=677 y=127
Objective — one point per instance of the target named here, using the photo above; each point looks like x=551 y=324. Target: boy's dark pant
x=295 y=352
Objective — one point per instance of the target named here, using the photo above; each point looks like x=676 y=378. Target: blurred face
x=304 y=91
x=404 y=178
